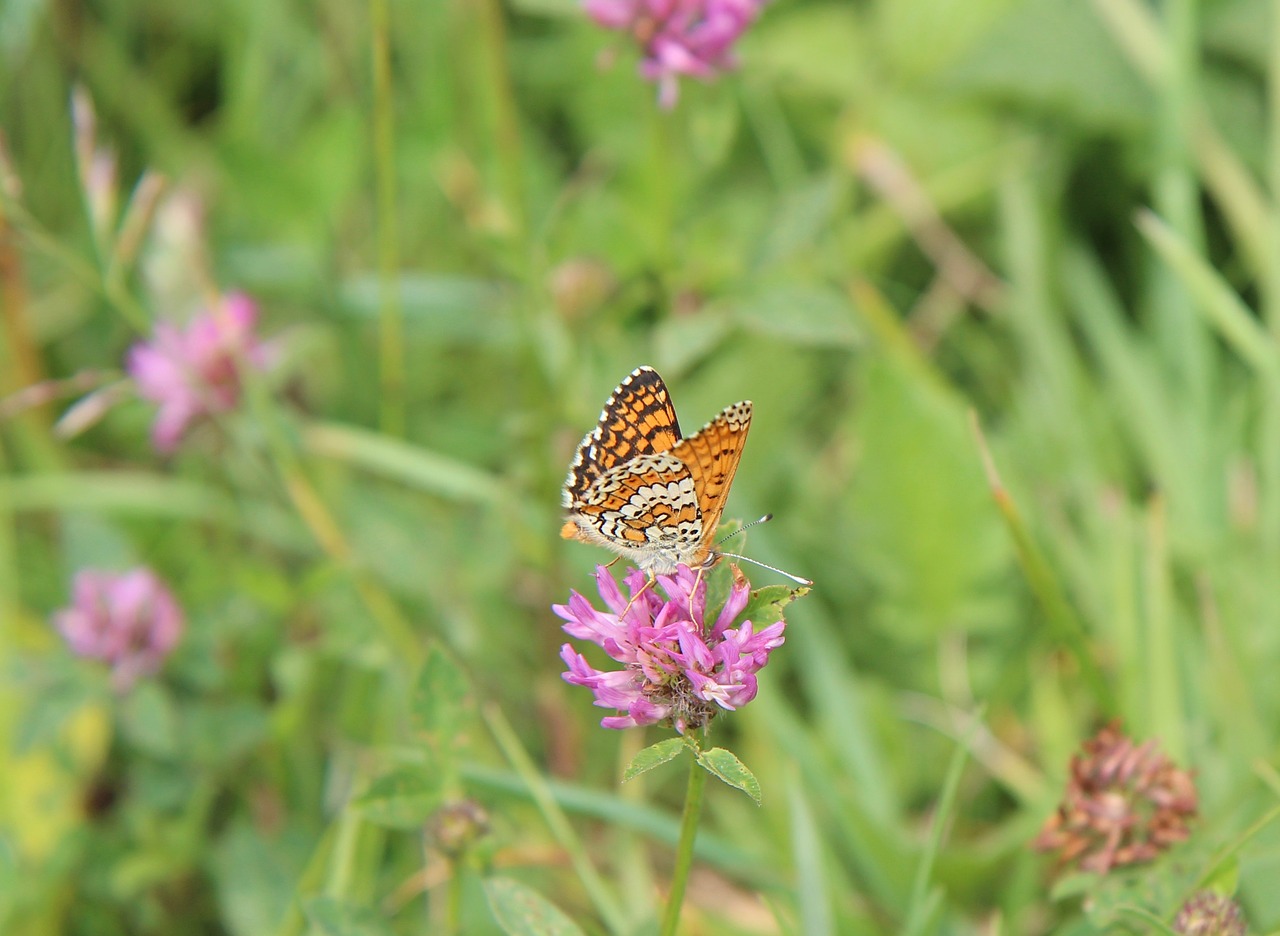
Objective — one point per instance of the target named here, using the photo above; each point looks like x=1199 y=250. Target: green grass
x=1054 y=220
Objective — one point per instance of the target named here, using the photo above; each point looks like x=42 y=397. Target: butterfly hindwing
x=649 y=498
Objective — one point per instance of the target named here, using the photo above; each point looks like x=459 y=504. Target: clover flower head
x=678 y=37
x=1209 y=914
x=676 y=666
x=1125 y=803
x=129 y=620
x=198 y=371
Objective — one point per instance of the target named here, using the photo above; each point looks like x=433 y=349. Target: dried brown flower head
x=456 y=826
x=1210 y=914
x=1125 y=803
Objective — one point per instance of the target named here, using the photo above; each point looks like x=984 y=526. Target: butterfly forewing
x=637 y=419
x=712 y=455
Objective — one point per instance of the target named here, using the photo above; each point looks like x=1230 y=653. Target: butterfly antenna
x=742 y=529
x=795 y=578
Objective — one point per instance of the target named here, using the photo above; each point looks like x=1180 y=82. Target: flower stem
x=391 y=313
x=684 y=850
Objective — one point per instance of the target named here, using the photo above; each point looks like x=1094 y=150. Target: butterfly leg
x=643 y=588
x=694 y=591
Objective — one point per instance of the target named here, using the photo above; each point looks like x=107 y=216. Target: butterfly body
x=640 y=489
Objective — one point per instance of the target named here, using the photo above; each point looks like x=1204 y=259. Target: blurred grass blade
x=924 y=902
x=1219 y=303
x=806 y=846
x=405 y=462
x=154 y=495
x=876 y=851
x=130 y=492
x=602 y=898
x=1227 y=854
x=1044 y=583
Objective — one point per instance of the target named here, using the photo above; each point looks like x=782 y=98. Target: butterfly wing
x=648 y=504
x=712 y=455
x=637 y=419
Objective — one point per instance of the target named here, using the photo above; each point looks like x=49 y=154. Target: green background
x=464 y=222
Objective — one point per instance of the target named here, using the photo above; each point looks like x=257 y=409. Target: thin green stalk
x=662 y=193
x=8 y=561
x=1271 y=277
x=1269 y=425
x=11 y=355
x=390 y=309
x=1163 y=701
x=1180 y=333
x=453 y=900
x=507 y=143
x=684 y=848
x=342 y=866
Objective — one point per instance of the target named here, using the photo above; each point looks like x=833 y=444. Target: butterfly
x=639 y=488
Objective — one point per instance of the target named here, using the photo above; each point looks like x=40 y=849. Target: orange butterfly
x=640 y=489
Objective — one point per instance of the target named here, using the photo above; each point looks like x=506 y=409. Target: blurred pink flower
x=675 y=670
x=197 y=371
x=128 y=620
x=678 y=37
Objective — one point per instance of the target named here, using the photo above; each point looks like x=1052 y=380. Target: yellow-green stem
x=390 y=309
x=684 y=849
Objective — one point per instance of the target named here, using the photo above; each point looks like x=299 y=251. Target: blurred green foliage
x=1058 y=216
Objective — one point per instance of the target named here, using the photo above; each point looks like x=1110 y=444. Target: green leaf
x=335 y=917
x=436 y=710
x=522 y=911
x=653 y=756
x=402 y=799
x=725 y=766
x=765 y=605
